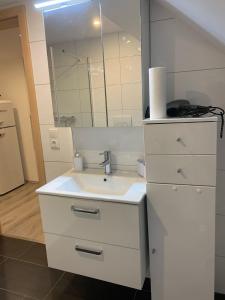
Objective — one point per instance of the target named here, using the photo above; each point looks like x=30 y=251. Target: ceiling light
x=50 y=3
x=97 y=22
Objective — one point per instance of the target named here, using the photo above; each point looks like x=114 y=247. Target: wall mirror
x=94 y=53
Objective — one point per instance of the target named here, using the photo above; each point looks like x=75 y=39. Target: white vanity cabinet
x=181 y=195
x=99 y=239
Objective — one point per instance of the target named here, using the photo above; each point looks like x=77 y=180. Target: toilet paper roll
x=157 y=92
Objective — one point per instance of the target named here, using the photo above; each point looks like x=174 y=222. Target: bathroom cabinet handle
x=179 y=171
x=85 y=210
x=89 y=251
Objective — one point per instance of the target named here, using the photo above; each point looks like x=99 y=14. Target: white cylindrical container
x=157 y=92
x=78 y=162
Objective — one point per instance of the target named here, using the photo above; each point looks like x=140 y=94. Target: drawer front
x=182 y=240
x=10 y=160
x=182 y=169
x=185 y=138
x=105 y=222
x=6 y=116
x=105 y=262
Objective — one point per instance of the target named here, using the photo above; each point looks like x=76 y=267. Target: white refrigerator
x=11 y=170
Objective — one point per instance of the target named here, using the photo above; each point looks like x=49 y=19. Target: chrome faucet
x=107 y=162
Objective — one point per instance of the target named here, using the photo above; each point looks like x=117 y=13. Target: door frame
x=19 y=12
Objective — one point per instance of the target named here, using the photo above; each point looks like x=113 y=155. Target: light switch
x=54 y=144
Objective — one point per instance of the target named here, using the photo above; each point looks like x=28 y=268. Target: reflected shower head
x=71 y=55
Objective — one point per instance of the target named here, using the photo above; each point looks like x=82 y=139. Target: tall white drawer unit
x=181 y=194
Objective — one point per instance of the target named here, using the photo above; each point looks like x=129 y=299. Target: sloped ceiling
x=209 y=15
x=118 y=11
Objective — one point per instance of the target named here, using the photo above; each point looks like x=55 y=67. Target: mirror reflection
x=94 y=52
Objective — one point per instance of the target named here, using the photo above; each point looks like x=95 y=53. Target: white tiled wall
x=123 y=79
x=56 y=161
x=125 y=144
x=71 y=83
x=196 y=68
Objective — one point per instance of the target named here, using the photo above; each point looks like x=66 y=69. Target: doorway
x=20 y=214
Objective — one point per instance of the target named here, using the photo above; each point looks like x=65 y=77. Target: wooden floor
x=20 y=214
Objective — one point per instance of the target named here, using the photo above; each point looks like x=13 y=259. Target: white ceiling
x=124 y=13
x=76 y=22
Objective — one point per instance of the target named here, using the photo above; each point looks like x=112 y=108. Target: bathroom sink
x=120 y=186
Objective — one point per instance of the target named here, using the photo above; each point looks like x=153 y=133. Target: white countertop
x=180 y=120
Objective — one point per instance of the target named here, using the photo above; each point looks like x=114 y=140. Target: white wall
x=126 y=145
x=207 y=14
x=196 y=68
x=123 y=83
x=13 y=87
x=56 y=161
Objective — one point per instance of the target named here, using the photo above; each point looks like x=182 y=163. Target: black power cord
x=197 y=111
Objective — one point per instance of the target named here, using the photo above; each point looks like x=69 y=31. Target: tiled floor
x=24 y=275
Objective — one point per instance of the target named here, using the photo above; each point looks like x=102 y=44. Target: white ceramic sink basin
x=94 y=185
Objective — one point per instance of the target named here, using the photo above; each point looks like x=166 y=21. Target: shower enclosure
x=71 y=87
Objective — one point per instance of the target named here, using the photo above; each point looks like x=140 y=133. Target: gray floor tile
x=13 y=247
x=36 y=255
x=27 y=279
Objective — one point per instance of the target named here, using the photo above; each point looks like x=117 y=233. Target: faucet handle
x=106 y=153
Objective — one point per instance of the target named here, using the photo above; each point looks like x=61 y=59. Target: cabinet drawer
x=106 y=222
x=182 y=138
x=182 y=169
x=10 y=160
x=105 y=262
x=182 y=239
x=6 y=115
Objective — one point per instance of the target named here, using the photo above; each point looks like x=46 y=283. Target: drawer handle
x=85 y=210
x=3 y=110
x=89 y=251
x=2 y=134
x=179 y=139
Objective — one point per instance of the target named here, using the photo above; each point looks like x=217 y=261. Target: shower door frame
x=19 y=13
